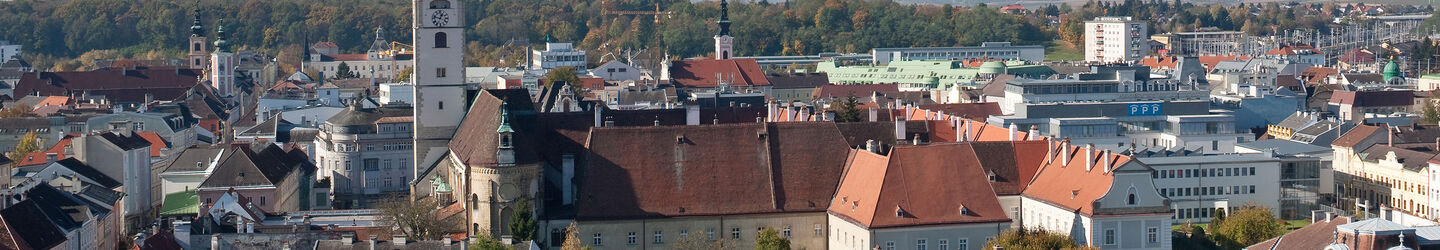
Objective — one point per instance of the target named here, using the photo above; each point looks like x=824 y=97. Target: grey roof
x=1284 y=147
x=265 y=128
x=303 y=134
x=91 y=173
x=15 y=63
x=1410 y=159
x=264 y=164
x=39 y=232
x=632 y=97
x=1428 y=235
x=1362 y=78
x=195 y=158
x=1318 y=128
x=368 y=116
x=108 y=196
x=126 y=142
x=1371 y=225
x=1295 y=121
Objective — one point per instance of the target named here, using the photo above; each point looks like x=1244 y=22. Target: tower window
x=195 y=47
x=442 y=105
x=441 y=4
x=440 y=40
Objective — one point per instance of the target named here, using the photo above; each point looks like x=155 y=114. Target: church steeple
x=196 y=28
x=724 y=18
x=220 y=42
x=723 y=41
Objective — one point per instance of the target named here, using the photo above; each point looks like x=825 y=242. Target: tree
x=484 y=242
x=28 y=144
x=522 y=222
x=417 y=218
x=1247 y=226
x=572 y=239
x=697 y=241
x=20 y=110
x=343 y=71
x=1430 y=112
x=771 y=240
x=1024 y=238
x=847 y=110
x=405 y=74
x=563 y=75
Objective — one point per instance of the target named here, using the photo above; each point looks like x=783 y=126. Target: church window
x=440 y=40
x=445 y=4
x=195 y=47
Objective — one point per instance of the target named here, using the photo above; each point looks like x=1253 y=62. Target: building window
x=439 y=72
x=920 y=244
x=347 y=164
x=819 y=231
x=441 y=105
x=440 y=40
x=786 y=232
x=659 y=237
x=1152 y=235
x=684 y=232
x=1109 y=236
x=387 y=182
x=262 y=200
x=944 y=244
x=387 y=164
x=889 y=245
x=735 y=233
x=710 y=234
x=596 y=240
x=630 y=238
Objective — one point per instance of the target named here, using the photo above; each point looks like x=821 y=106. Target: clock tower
x=439 y=77
x=724 y=48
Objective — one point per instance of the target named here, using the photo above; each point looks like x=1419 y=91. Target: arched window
x=440 y=4
x=440 y=40
x=1130 y=199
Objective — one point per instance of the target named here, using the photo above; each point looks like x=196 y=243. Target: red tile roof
x=1355 y=135
x=54 y=101
x=934 y=184
x=1317 y=75
x=350 y=57
x=38 y=157
x=118 y=85
x=1357 y=56
x=727 y=169
x=1071 y=186
x=707 y=73
x=1160 y=62
x=1387 y=98
x=1313 y=236
x=156 y=143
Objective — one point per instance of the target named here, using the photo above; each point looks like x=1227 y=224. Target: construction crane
x=657 y=13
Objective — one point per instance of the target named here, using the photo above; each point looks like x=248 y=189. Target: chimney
x=598 y=121
x=874 y=114
x=1065 y=152
x=872 y=146
x=215 y=241
x=916 y=140
x=1107 y=157
x=1013 y=133
x=371 y=242
x=1034 y=133
x=1089 y=157
x=771 y=109
x=959 y=134
x=347 y=239
x=445 y=240
x=968 y=132
x=397 y=240
x=1390 y=136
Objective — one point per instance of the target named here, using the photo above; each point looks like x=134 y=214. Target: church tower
x=724 y=43
x=222 y=65
x=199 y=53
x=439 y=77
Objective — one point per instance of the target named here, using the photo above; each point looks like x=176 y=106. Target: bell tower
x=724 y=47
x=439 y=77
x=199 y=53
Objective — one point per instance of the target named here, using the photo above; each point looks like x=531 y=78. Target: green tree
x=405 y=74
x=847 y=110
x=1430 y=112
x=1025 y=238
x=771 y=240
x=1247 y=226
x=522 y=222
x=29 y=143
x=563 y=75
x=343 y=71
x=484 y=242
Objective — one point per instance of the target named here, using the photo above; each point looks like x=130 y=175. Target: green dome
x=1391 y=70
x=220 y=43
x=992 y=67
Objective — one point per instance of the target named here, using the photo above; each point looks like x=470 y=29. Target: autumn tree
x=417 y=219
x=1025 y=238
x=405 y=74
x=847 y=110
x=20 y=110
x=770 y=240
x=29 y=143
x=572 y=239
x=1246 y=226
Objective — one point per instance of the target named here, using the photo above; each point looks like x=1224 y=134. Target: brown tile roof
x=475 y=140
x=726 y=169
x=1160 y=62
x=350 y=57
x=1314 y=236
x=996 y=86
x=1317 y=75
x=934 y=184
x=706 y=73
x=1290 y=50
x=1412 y=160
x=1355 y=135
x=1071 y=186
x=978 y=111
x=118 y=85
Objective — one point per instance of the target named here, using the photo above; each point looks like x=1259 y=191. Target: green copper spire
x=1392 y=70
x=197 y=29
x=220 y=43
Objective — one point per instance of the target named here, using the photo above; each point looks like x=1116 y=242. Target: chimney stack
x=1014 y=134
x=874 y=114
x=968 y=132
x=959 y=134
x=1065 y=152
x=1089 y=158
x=397 y=240
x=598 y=120
x=1034 y=133
x=1107 y=156
x=445 y=240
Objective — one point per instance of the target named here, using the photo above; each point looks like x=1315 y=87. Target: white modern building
x=1199 y=185
x=397 y=93
x=9 y=51
x=558 y=55
x=1000 y=50
x=1116 y=39
x=366 y=152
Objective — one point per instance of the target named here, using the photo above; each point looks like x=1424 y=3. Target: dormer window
x=1130 y=199
x=440 y=4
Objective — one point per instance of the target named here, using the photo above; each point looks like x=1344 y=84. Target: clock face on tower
x=440 y=18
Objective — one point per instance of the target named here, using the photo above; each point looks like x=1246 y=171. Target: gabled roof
x=1383 y=98
x=10 y=237
x=1371 y=226
x=1072 y=186
x=117 y=85
x=194 y=158
x=260 y=164
x=727 y=169
x=1313 y=236
x=1297 y=121
x=39 y=233
x=89 y=172
x=476 y=140
x=156 y=143
x=707 y=73
x=364 y=116
x=1412 y=160
x=1355 y=135
x=934 y=184
x=61 y=208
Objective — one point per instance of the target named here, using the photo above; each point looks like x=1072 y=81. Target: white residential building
x=1099 y=198
x=397 y=93
x=1116 y=39
x=366 y=152
x=1198 y=185
x=9 y=51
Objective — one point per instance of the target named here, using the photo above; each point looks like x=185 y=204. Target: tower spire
x=724 y=18
x=220 y=42
x=196 y=28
